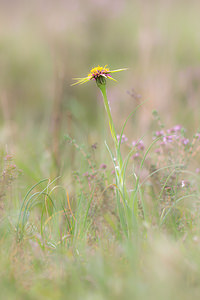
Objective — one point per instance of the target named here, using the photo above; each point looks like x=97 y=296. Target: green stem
x=119 y=170
x=107 y=107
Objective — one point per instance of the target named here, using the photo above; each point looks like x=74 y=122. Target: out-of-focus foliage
x=44 y=45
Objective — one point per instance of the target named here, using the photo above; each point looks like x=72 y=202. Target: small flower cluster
x=10 y=170
x=175 y=133
x=93 y=174
x=139 y=147
x=175 y=152
x=124 y=139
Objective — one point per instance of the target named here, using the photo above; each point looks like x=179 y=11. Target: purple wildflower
x=136 y=155
x=86 y=174
x=134 y=143
x=140 y=145
x=13 y=166
x=159 y=133
x=185 y=141
x=177 y=128
x=168 y=139
x=94 y=146
x=197 y=135
x=103 y=166
x=158 y=150
x=124 y=139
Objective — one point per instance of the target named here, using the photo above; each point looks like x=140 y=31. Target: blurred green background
x=43 y=45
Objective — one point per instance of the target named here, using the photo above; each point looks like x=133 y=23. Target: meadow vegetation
x=88 y=211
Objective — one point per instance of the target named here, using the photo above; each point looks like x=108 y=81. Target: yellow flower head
x=99 y=74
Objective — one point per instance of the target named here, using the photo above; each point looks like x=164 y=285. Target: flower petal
x=80 y=80
x=112 y=78
x=119 y=70
x=96 y=73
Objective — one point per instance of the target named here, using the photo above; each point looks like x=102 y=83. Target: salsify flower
x=99 y=74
